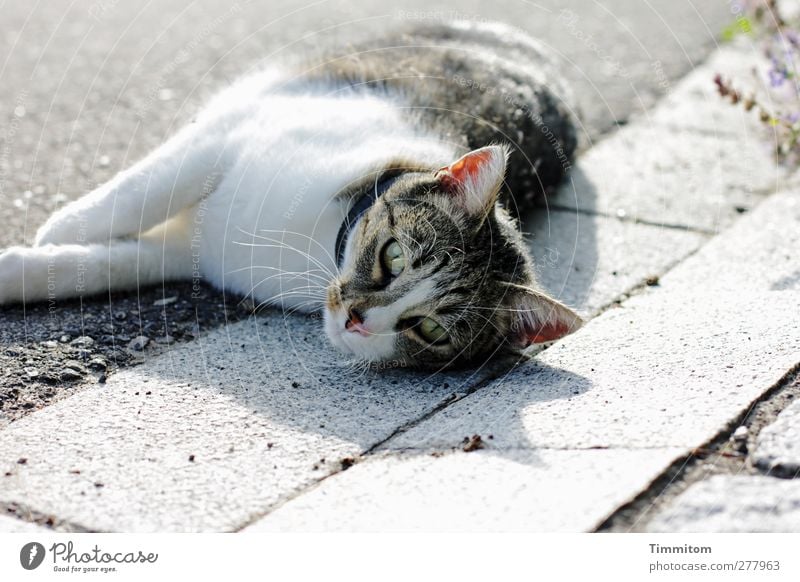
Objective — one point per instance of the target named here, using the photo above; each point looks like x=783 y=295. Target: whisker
x=302 y=235
x=310 y=272
x=284 y=245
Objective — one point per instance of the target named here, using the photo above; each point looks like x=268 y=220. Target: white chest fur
x=270 y=226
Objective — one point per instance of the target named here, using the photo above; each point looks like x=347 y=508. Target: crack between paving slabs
x=693 y=467
x=26 y=514
x=558 y=207
x=441 y=405
x=456 y=397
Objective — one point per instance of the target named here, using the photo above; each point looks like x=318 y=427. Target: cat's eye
x=431 y=331
x=393 y=258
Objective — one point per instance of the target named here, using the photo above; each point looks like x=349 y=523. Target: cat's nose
x=355 y=322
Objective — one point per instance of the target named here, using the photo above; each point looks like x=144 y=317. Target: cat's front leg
x=173 y=177
x=25 y=274
x=57 y=272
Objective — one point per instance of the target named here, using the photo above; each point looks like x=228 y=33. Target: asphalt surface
x=89 y=87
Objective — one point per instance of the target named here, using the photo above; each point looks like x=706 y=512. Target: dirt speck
x=472 y=443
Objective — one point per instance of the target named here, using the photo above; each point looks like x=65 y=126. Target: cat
x=373 y=186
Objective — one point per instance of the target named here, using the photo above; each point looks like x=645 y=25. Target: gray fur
x=472 y=86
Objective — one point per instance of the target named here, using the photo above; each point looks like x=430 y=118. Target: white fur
x=244 y=196
x=381 y=322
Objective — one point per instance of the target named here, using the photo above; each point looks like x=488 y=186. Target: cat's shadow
x=564 y=244
x=283 y=370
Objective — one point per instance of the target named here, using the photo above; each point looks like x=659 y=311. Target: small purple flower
x=776 y=77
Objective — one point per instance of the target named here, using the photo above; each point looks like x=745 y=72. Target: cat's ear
x=538 y=318
x=474 y=179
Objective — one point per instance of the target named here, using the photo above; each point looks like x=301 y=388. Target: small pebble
x=68 y=375
x=165 y=301
x=83 y=341
x=98 y=364
x=31 y=372
x=73 y=365
x=138 y=343
x=740 y=433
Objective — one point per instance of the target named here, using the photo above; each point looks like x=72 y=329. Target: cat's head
x=436 y=273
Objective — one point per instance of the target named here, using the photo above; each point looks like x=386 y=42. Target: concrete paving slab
x=778 y=445
x=694 y=103
x=210 y=434
x=662 y=176
x=589 y=261
x=485 y=490
x=758 y=253
x=727 y=503
x=667 y=369
x=12 y=525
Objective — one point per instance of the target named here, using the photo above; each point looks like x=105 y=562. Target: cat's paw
x=63 y=227
x=12 y=270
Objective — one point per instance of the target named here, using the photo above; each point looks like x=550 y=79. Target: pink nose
x=355 y=323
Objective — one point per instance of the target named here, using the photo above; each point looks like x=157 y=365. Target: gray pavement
x=778 y=448
x=86 y=89
x=734 y=504
x=684 y=334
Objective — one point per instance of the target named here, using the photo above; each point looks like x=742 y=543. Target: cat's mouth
x=349 y=333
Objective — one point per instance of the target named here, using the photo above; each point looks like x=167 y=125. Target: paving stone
x=758 y=253
x=662 y=176
x=778 y=445
x=211 y=433
x=13 y=525
x=666 y=369
x=485 y=490
x=590 y=261
x=694 y=104
x=727 y=503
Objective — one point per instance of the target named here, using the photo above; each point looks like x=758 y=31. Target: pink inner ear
x=547 y=333
x=467 y=167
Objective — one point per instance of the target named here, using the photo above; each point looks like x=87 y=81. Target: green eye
x=431 y=331
x=393 y=258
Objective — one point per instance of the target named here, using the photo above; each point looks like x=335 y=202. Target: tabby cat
x=373 y=185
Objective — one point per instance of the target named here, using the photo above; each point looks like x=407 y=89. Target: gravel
x=49 y=353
